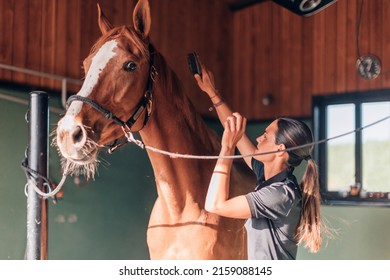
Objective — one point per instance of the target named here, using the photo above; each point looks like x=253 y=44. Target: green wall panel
x=107 y=218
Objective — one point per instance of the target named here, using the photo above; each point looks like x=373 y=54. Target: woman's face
x=266 y=142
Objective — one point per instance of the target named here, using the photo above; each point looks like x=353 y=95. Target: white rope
x=51 y=193
x=130 y=138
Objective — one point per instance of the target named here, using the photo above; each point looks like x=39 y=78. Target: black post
x=37 y=160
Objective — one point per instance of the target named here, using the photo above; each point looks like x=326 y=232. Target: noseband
x=142 y=105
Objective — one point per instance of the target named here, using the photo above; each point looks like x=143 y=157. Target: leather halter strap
x=109 y=115
x=142 y=105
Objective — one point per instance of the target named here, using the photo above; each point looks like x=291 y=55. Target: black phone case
x=193 y=64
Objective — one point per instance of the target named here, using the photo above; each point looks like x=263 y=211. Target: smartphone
x=194 y=64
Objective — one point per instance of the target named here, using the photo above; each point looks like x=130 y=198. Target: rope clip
x=130 y=138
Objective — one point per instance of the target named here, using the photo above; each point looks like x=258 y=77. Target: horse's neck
x=179 y=180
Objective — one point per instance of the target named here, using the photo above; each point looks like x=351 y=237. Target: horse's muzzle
x=72 y=141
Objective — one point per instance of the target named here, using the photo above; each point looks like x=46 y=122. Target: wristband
x=215 y=105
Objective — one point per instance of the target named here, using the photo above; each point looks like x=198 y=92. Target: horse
x=129 y=87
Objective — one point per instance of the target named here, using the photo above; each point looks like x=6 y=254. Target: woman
x=281 y=213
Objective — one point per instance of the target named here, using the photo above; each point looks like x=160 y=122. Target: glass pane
x=376 y=147
x=340 y=151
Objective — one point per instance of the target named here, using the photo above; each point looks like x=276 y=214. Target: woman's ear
x=282 y=151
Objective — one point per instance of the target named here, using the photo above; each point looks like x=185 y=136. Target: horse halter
x=142 y=105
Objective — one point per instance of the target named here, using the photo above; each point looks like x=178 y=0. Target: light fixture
x=368 y=67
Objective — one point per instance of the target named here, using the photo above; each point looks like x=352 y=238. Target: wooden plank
x=235 y=57
x=286 y=82
x=341 y=46
x=368 y=31
x=319 y=58
x=364 y=47
x=6 y=27
x=33 y=46
x=262 y=60
x=306 y=66
x=154 y=34
x=89 y=30
x=329 y=52
x=48 y=43
x=249 y=77
x=375 y=36
x=352 y=55
x=19 y=42
x=294 y=98
x=385 y=11
x=245 y=64
x=275 y=62
x=61 y=37
x=73 y=39
x=221 y=31
x=224 y=46
x=212 y=45
x=2 y=38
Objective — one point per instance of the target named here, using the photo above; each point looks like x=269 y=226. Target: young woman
x=281 y=213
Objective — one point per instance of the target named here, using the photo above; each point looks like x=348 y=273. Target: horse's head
x=114 y=95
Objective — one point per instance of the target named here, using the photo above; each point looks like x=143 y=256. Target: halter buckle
x=153 y=73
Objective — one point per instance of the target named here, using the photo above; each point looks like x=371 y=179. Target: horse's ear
x=141 y=18
x=104 y=23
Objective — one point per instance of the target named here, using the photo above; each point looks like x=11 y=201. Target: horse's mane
x=167 y=83
x=171 y=88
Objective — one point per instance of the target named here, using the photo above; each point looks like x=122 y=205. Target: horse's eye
x=129 y=66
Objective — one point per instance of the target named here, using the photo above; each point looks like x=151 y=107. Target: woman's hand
x=206 y=82
x=235 y=126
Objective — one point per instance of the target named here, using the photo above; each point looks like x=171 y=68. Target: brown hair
x=294 y=133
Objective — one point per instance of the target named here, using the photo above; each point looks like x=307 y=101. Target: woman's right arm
x=206 y=84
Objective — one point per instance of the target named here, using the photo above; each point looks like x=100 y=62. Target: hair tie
x=307 y=158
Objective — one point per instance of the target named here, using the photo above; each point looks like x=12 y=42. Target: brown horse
x=129 y=82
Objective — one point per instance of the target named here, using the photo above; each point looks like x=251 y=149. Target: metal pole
x=37 y=160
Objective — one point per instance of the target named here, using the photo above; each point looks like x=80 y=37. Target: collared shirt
x=275 y=206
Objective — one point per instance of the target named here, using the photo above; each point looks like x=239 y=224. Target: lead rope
x=130 y=138
x=51 y=193
x=31 y=182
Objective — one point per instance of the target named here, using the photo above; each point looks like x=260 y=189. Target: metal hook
x=26 y=116
x=130 y=138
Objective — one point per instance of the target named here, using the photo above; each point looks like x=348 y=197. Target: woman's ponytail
x=309 y=228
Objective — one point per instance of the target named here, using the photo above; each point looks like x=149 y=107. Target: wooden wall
x=54 y=36
x=258 y=51
x=293 y=58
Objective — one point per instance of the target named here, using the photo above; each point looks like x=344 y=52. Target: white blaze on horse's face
x=99 y=62
x=71 y=134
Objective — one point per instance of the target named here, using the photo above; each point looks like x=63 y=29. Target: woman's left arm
x=217 y=199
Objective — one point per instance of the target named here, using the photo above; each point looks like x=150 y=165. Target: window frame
x=319 y=120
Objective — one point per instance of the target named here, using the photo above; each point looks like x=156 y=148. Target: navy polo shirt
x=275 y=207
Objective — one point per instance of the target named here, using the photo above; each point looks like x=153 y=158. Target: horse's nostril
x=77 y=135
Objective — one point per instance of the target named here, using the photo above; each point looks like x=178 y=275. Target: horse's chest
x=181 y=241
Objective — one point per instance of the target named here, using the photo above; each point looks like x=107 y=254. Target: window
x=354 y=163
